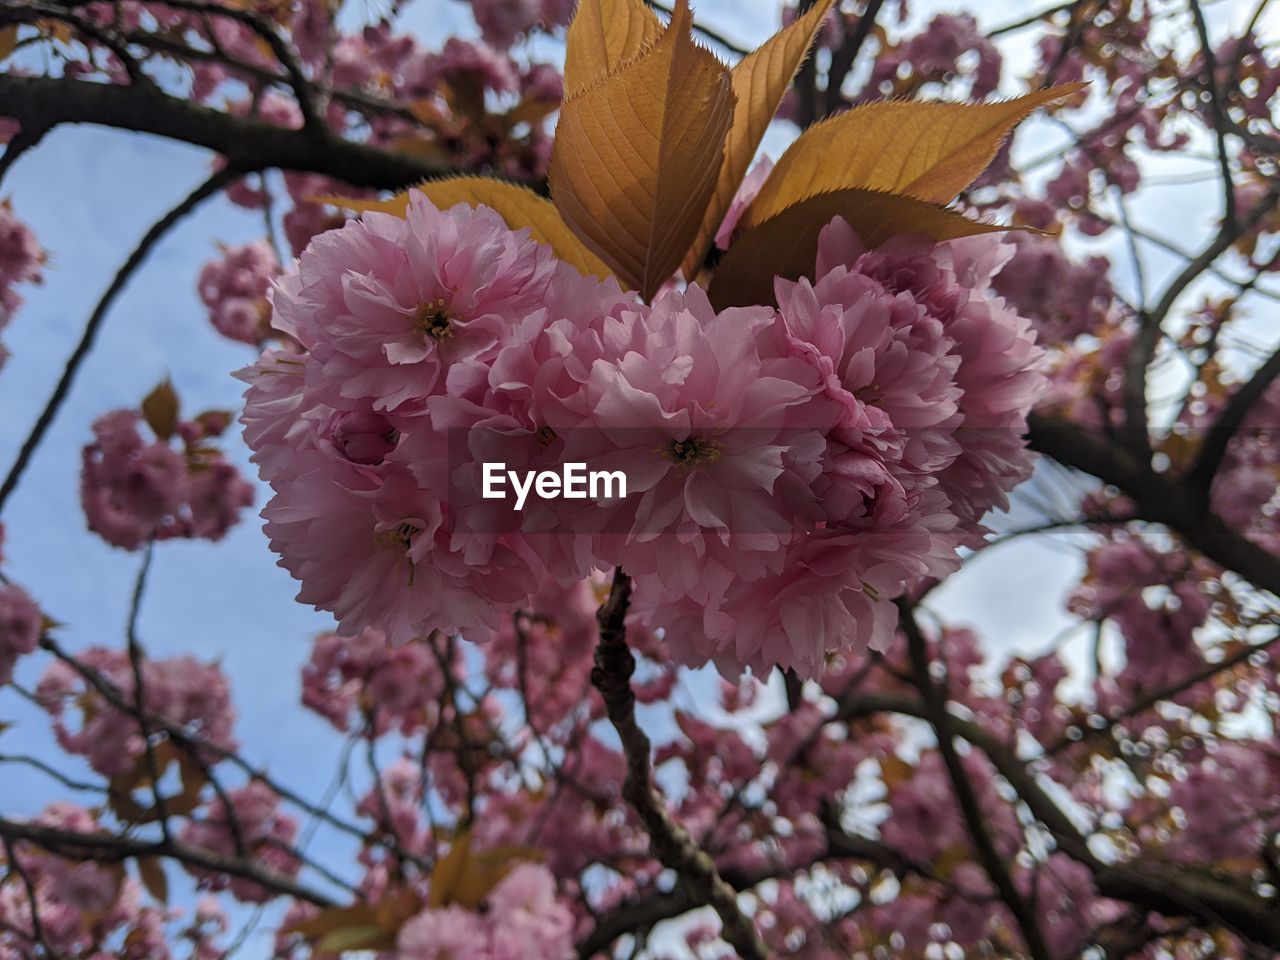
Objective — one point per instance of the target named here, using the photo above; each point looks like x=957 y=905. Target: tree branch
x=843 y=59
x=110 y=848
x=1159 y=886
x=248 y=144
x=1151 y=321
x=1205 y=469
x=671 y=844
x=1159 y=499
x=935 y=707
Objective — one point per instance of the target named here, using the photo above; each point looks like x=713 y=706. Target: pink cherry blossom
x=265 y=831
x=20 y=626
x=234 y=289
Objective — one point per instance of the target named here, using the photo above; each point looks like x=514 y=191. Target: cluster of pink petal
x=1229 y=803
x=503 y=22
x=250 y=819
x=234 y=288
x=180 y=690
x=789 y=471
x=364 y=675
x=134 y=491
x=82 y=904
x=21 y=261
x=20 y=626
x=1065 y=298
x=521 y=918
x=938 y=53
x=1155 y=598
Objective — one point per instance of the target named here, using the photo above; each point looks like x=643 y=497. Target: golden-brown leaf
x=465 y=876
x=786 y=245
x=927 y=150
x=361 y=926
x=156 y=881
x=636 y=155
x=760 y=79
x=530 y=111
x=519 y=206
x=604 y=34
x=8 y=41
x=160 y=409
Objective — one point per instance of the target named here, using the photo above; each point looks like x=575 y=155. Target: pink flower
x=530 y=921
x=448 y=934
x=1064 y=298
x=707 y=426
x=372 y=549
x=133 y=491
x=462 y=58
x=235 y=291
x=20 y=626
x=267 y=835
x=21 y=260
x=747 y=192
x=386 y=305
x=998 y=373
x=182 y=690
x=502 y=22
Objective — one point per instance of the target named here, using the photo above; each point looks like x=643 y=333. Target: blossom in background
x=180 y=690
x=134 y=491
x=266 y=834
x=21 y=261
x=20 y=624
x=520 y=918
x=234 y=288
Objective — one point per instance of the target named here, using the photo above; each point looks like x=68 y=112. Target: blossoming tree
x=823 y=378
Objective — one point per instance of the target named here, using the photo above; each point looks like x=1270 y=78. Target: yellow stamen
x=434 y=319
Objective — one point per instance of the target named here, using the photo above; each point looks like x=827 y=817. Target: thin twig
x=843 y=59
x=153 y=236
x=140 y=694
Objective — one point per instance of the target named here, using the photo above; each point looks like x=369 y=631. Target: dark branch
x=843 y=59
x=1228 y=422
x=248 y=144
x=935 y=706
x=671 y=844
x=1159 y=498
x=110 y=848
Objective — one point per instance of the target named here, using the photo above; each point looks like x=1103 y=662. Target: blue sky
x=90 y=193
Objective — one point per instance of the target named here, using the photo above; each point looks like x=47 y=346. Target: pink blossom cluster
x=790 y=471
x=134 y=491
x=366 y=676
x=82 y=905
x=503 y=22
x=1063 y=297
x=251 y=820
x=938 y=54
x=181 y=691
x=234 y=288
x=20 y=625
x=521 y=918
x=1157 y=601
x=21 y=261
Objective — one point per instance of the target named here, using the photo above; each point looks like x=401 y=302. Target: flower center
x=398 y=538
x=692 y=451
x=434 y=319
